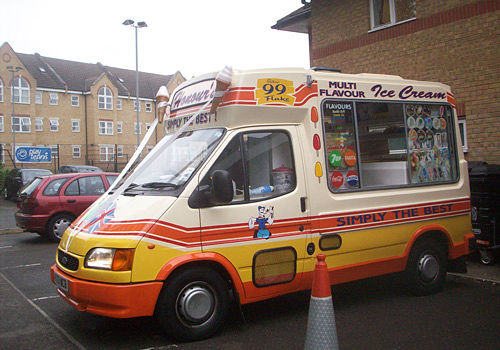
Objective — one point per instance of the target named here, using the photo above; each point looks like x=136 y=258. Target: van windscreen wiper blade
x=158 y=184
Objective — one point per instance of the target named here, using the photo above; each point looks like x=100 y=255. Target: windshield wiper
x=158 y=184
x=131 y=186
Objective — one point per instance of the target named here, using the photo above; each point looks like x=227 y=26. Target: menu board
x=429 y=131
x=340 y=145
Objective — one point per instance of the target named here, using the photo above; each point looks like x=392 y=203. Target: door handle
x=303 y=204
x=71 y=200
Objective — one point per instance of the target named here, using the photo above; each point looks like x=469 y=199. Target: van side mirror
x=222 y=187
x=220 y=191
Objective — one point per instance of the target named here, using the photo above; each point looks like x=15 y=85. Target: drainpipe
x=86 y=132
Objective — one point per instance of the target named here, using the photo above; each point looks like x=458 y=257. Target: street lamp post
x=137 y=25
x=13 y=70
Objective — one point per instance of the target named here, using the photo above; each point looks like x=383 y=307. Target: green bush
x=3 y=175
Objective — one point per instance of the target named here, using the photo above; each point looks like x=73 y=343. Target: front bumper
x=111 y=300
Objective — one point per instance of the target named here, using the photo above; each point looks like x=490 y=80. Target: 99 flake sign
x=275 y=91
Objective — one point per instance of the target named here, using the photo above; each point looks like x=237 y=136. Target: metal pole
x=137 y=86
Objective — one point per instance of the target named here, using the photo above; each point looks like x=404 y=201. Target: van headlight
x=110 y=259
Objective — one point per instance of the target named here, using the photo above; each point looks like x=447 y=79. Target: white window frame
x=53 y=151
x=23 y=123
x=75 y=101
x=39 y=124
x=1 y=90
x=23 y=91
x=463 y=126
x=119 y=127
x=38 y=97
x=54 y=124
x=53 y=98
x=75 y=125
x=393 y=16
x=2 y=127
x=105 y=98
x=119 y=151
x=105 y=127
x=76 y=150
x=108 y=156
x=135 y=106
x=137 y=129
x=149 y=107
x=119 y=103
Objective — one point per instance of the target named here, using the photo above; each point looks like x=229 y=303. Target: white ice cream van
x=259 y=172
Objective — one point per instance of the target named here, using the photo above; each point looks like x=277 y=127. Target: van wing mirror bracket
x=200 y=198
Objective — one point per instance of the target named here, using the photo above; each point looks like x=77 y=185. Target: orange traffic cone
x=321 y=328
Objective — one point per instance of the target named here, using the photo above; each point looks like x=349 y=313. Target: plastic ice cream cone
x=223 y=81
x=162 y=104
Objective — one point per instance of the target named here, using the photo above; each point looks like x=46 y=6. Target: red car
x=49 y=204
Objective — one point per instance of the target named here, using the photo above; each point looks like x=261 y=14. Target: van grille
x=67 y=261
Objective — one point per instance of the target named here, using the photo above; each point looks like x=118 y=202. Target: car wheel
x=426 y=267
x=193 y=304
x=57 y=225
x=487 y=257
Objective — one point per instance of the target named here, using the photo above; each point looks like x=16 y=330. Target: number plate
x=61 y=282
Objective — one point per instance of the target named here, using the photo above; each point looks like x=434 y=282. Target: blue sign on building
x=33 y=155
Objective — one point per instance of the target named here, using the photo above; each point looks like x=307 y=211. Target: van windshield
x=174 y=165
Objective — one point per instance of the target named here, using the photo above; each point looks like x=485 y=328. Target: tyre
x=57 y=225
x=487 y=257
x=426 y=267
x=193 y=304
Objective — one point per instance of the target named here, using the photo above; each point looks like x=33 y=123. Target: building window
x=38 y=124
x=106 y=153
x=149 y=107
x=388 y=12
x=1 y=90
x=54 y=125
x=1 y=123
x=137 y=128
x=75 y=125
x=135 y=106
x=77 y=151
x=119 y=127
x=75 y=100
x=54 y=150
x=38 y=97
x=21 y=124
x=119 y=151
x=119 y=104
x=53 y=98
x=462 y=125
x=105 y=98
x=105 y=127
x=20 y=91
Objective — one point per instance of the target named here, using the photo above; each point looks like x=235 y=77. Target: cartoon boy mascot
x=266 y=216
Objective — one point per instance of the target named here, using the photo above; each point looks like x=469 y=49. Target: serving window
x=372 y=145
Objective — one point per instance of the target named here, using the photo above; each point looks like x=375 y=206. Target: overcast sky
x=192 y=36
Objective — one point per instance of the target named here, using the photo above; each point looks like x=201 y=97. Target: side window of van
x=260 y=164
x=382 y=144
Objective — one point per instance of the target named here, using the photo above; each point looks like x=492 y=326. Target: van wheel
x=193 y=304
x=487 y=257
x=57 y=225
x=426 y=267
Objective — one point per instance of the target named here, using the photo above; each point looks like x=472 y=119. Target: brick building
x=455 y=42
x=84 y=112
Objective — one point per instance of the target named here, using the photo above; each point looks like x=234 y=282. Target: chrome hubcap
x=428 y=266
x=196 y=303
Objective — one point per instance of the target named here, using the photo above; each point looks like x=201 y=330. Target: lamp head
x=128 y=22
x=141 y=24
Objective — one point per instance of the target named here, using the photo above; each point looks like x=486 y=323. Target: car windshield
x=29 y=188
x=174 y=165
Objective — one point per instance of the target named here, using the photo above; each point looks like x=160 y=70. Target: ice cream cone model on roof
x=223 y=81
x=162 y=105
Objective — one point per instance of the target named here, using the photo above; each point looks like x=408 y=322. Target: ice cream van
x=259 y=172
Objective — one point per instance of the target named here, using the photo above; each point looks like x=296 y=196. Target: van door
x=263 y=230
